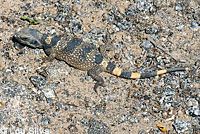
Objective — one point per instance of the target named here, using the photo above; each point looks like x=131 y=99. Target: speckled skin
x=79 y=54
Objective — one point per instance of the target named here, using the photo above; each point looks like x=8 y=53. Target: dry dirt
x=124 y=106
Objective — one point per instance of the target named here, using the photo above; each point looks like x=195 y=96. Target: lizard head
x=28 y=37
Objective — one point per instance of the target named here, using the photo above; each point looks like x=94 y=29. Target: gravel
x=56 y=97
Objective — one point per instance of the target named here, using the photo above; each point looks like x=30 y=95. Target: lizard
x=81 y=55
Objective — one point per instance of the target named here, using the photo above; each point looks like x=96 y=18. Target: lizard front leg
x=94 y=73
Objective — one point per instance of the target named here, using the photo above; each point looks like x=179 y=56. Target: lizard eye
x=25 y=38
x=33 y=42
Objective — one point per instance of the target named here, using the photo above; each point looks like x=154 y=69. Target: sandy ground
x=123 y=106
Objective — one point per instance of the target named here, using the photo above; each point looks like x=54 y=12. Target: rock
x=45 y=121
x=193 y=107
x=181 y=126
x=98 y=127
x=147 y=45
x=46 y=87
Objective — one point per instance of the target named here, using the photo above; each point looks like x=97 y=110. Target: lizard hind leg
x=94 y=73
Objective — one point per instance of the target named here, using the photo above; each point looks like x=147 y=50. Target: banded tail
x=115 y=70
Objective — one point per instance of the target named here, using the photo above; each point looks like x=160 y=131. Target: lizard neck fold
x=49 y=42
